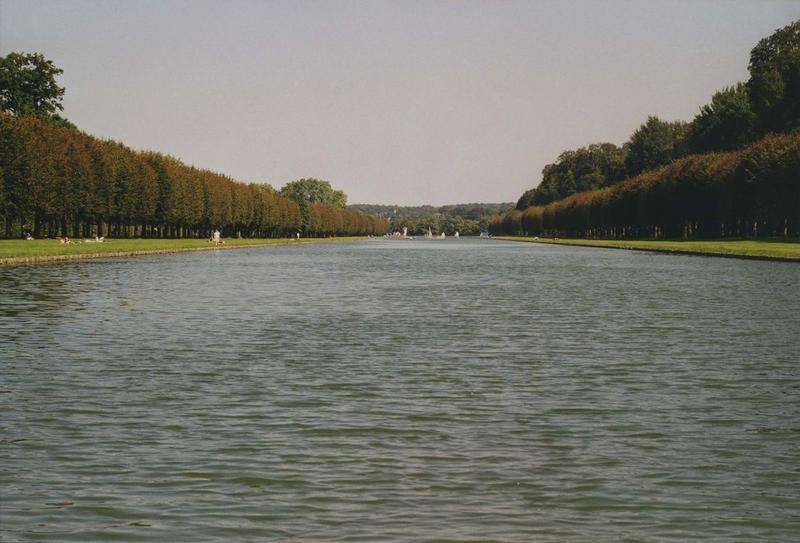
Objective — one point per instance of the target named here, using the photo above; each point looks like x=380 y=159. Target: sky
x=395 y=102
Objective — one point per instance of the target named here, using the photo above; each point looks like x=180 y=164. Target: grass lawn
x=764 y=249
x=40 y=250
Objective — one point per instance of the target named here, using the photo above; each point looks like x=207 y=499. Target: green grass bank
x=50 y=250
x=753 y=249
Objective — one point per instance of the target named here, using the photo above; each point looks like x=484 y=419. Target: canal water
x=457 y=390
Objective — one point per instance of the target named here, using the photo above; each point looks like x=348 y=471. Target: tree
x=587 y=168
x=774 y=83
x=724 y=124
x=28 y=86
x=655 y=144
x=14 y=174
x=315 y=191
x=312 y=191
x=526 y=200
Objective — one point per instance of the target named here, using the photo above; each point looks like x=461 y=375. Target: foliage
x=472 y=211
x=736 y=115
x=28 y=86
x=724 y=124
x=774 y=83
x=754 y=191
x=654 y=144
x=59 y=181
x=438 y=223
x=466 y=219
x=587 y=168
x=314 y=191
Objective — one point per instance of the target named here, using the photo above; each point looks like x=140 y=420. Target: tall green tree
x=315 y=191
x=28 y=86
x=774 y=83
x=14 y=174
x=655 y=144
x=587 y=168
x=309 y=191
x=726 y=123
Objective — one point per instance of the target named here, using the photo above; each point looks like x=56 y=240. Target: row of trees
x=57 y=180
x=768 y=102
x=754 y=191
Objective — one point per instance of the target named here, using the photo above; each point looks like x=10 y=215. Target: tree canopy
x=655 y=144
x=655 y=164
x=315 y=191
x=774 y=83
x=466 y=219
x=736 y=116
x=57 y=180
x=587 y=168
x=28 y=86
x=726 y=123
x=753 y=191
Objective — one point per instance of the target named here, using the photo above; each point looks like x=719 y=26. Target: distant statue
x=456 y=234
x=405 y=231
x=216 y=237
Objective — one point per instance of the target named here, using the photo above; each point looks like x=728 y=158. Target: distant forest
x=734 y=170
x=467 y=219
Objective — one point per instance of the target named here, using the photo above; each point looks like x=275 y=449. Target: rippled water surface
x=401 y=391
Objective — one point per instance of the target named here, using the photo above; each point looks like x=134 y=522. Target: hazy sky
x=405 y=102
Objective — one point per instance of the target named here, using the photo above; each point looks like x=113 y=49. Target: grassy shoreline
x=50 y=250
x=784 y=251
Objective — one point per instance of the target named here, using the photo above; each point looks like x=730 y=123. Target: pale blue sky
x=405 y=102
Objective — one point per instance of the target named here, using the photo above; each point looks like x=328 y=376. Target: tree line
x=753 y=191
x=466 y=219
x=439 y=223
x=57 y=180
x=737 y=115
